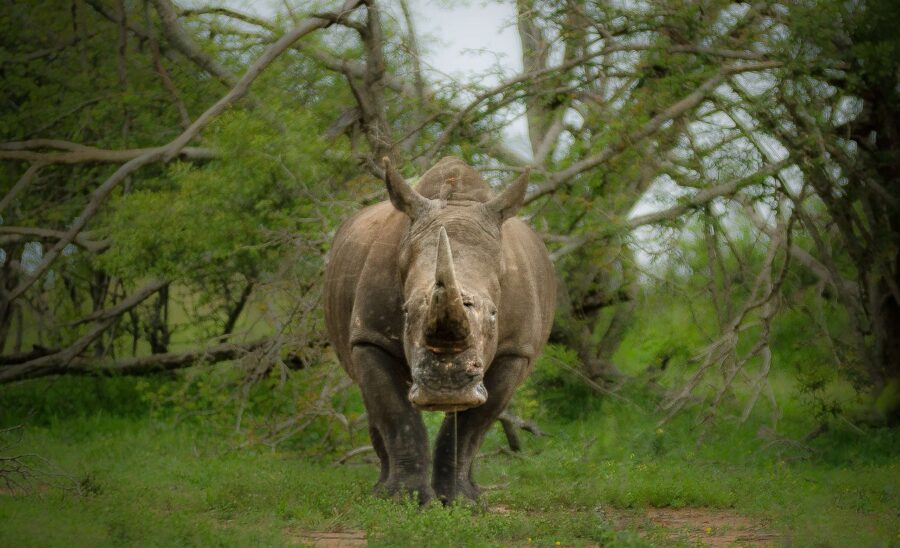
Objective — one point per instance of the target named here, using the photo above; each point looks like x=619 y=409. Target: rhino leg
x=381 y=451
x=396 y=428
x=453 y=473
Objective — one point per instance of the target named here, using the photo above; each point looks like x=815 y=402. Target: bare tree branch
x=173 y=148
x=25 y=180
x=707 y=195
x=57 y=362
x=699 y=199
x=226 y=12
x=140 y=365
x=138 y=31
x=518 y=422
x=18 y=233
x=164 y=77
x=414 y=51
x=692 y=100
x=803 y=257
x=74 y=153
x=174 y=33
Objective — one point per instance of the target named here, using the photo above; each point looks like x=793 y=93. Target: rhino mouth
x=427 y=399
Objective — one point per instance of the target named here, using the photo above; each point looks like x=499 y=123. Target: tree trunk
x=158 y=325
x=887 y=352
x=235 y=312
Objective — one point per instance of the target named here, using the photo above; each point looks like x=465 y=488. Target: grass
x=146 y=480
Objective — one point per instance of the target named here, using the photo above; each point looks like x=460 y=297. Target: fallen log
x=138 y=365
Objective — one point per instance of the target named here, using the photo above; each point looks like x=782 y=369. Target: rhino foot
x=400 y=490
x=464 y=490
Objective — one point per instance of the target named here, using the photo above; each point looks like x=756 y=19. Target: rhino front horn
x=447 y=324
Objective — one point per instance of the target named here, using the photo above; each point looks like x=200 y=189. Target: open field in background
x=117 y=473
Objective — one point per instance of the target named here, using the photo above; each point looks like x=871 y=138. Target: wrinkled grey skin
x=439 y=300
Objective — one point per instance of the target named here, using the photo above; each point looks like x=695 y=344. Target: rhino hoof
x=465 y=493
x=400 y=491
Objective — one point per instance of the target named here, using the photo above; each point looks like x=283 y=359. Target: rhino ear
x=404 y=197
x=510 y=200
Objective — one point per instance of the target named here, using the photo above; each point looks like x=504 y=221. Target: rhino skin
x=437 y=300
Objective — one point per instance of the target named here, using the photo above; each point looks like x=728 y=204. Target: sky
x=468 y=41
x=469 y=38
x=462 y=40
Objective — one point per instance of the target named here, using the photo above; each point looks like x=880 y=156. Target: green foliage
x=70 y=398
x=156 y=483
x=228 y=214
x=239 y=403
x=664 y=335
x=555 y=388
x=861 y=34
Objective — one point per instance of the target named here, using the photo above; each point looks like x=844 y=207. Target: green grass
x=149 y=481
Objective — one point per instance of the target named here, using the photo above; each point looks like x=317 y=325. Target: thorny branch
x=20 y=472
x=74 y=153
x=723 y=353
x=171 y=150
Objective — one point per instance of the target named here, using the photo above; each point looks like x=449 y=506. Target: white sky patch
x=468 y=41
x=471 y=43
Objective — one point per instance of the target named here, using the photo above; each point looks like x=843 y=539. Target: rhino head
x=451 y=264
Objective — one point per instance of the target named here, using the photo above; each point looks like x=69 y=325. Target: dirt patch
x=500 y=509
x=703 y=526
x=22 y=490
x=713 y=527
x=695 y=526
x=328 y=539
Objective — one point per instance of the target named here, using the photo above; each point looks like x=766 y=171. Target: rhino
x=439 y=299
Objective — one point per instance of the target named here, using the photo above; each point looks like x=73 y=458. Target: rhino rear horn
x=510 y=200
x=404 y=197
x=447 y=324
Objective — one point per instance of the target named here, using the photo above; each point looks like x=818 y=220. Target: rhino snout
x=426 y=399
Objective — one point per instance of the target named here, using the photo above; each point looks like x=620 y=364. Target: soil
x=695 y=526
x=329 y=539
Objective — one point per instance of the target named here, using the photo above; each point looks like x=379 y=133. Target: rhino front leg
x=465 y=432
x=395 y=427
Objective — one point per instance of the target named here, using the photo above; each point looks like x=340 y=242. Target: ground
x=110 y=473
x=693 y=526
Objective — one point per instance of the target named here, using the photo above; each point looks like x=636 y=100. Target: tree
x=726 y=118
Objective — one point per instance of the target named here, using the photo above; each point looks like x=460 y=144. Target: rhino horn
x=510 y=200
x=404 y=197
x=447 y=324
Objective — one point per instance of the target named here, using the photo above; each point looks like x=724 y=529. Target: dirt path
x=696 y=526
x=328 y=539
x=704 y=526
